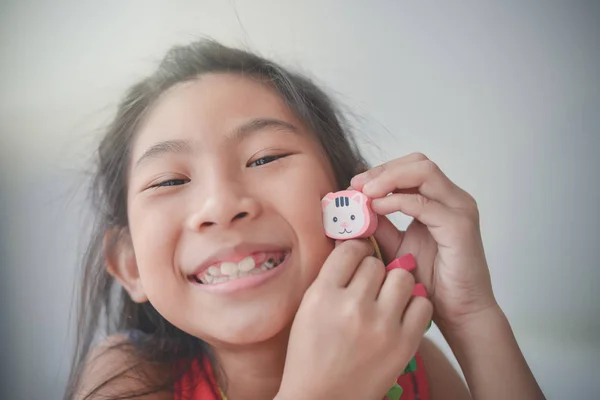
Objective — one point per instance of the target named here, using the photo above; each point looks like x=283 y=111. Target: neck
x=253 y=371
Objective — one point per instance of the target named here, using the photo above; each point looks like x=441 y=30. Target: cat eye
x=335 y=219
x=352 y=217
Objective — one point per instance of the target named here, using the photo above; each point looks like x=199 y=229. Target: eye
x=169 y=182
x=265 y=160
x=335 y=219
x=352 y=217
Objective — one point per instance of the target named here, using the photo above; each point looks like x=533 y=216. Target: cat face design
x=347 y=215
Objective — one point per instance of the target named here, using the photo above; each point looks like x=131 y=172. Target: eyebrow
x=239 y=134
x=168 y=146
x=247 y=129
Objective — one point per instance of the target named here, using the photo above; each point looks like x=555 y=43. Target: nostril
x=207 y=224
x=241 y=215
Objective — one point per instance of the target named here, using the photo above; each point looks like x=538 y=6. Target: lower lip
x=245 y=283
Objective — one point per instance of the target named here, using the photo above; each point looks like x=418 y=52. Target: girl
x=208 y=191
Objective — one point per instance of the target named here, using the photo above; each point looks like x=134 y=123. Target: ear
x=327 y=199
x=121 y=263
x=358 y=197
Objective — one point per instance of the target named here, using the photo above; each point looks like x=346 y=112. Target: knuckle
x=425 y=307
x=419 y=156
x=470 y=202
x=421 y=200
x=314 y=296
x=471 y=199
x=378 y=272
x=355 y=248
x=373 y=262
x=431 y=167
x=362 y=246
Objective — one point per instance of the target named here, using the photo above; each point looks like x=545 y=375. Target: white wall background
x=504 y=96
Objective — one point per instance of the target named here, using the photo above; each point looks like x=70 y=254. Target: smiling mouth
x=344 y=231
x=254 y=264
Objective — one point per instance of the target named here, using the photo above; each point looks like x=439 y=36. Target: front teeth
x=229 y=270
x=246 y=264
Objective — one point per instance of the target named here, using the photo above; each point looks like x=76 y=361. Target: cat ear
x=327 y=199
x=358 y=197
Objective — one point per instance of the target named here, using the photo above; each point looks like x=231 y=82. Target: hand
x=355 y=330
x=444 y=237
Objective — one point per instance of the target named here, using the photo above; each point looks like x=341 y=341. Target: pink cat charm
x=347 y=214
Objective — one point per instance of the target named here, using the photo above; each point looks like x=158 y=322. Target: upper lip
x=236 y=252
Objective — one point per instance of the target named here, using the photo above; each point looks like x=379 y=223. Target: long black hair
x=105 y=308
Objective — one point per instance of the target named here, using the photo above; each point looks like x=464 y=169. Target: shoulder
x=112 y=369
x=444 y=382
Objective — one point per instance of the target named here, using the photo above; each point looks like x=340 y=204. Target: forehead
x=206 y=108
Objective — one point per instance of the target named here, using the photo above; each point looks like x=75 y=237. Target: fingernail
x=419 y=290
x=406 y=262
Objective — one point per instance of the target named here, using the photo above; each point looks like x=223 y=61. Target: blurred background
x=504 y=96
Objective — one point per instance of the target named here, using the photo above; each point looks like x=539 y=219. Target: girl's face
x=224 y=188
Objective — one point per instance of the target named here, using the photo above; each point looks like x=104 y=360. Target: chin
x=248 y=334
x=248 y=326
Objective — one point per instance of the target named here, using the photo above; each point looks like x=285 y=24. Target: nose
x=222 y=204
x=344 y=224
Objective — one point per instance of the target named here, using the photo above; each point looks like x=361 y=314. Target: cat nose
x=344 y=224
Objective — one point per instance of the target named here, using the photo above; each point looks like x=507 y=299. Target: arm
x=444 y=381
x=490 y=358
x=111 y=371
x=445 y=239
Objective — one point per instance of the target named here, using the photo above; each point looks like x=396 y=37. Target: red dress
x=199 y=385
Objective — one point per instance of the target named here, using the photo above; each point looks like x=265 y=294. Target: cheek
x=300 y=205
x=154 y=234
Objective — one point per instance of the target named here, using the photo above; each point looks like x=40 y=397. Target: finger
x=359 y=180
x=395 y=293
x=416 y=317
x=343 y=261
x=429 y=212
x=423 y=175
x=388 y=237
x=368 y=278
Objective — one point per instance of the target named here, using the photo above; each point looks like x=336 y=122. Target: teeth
x=246 y=267
x=229 y=268
x=246 y=264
